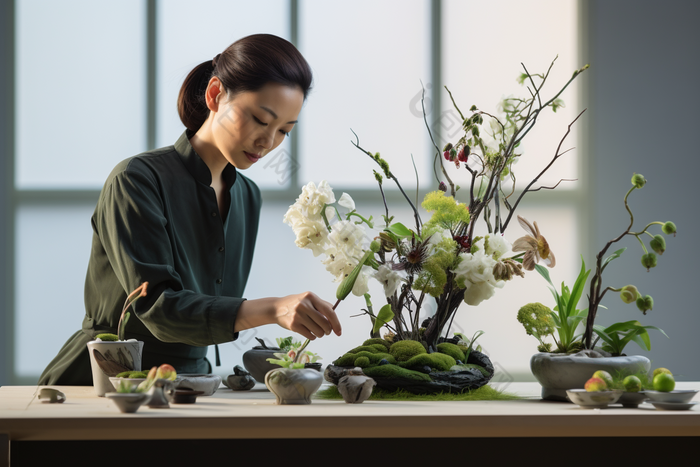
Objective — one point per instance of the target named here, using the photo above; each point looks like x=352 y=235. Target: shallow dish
x=677 y=395
x=673 y=405
x=128 y=402
x=631 y=400
x=593 y=400
x=208 y=384
x=132 y=382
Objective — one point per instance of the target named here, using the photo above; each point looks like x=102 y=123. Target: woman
x=184 y=219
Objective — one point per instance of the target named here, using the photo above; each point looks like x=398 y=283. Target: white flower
x=346 y=236
x=361 y=285
x=477 y=293
x=312 y=235
x=389 y=279
x=312 y=198
x=338 y=263
x=497 y=246
x=347 y=202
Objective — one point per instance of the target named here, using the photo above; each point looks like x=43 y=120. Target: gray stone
x=355 y=386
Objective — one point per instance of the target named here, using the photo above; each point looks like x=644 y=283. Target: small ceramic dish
x=677 y=395
x=593 y=400
x=185 y=396
x=673 y=405
x=631 y=400
x=132 y=382
x=208 y=384
x=127 y=402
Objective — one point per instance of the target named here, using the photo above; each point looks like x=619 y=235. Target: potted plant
x=429 y=270
x=112 y=355
x=257 y=360
x=128 y=397
x=292 y=382
x=577 y=355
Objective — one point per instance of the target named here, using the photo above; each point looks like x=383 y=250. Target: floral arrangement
x=293 y=354
x=137 y=293
x=444 y=257
x=540 y=321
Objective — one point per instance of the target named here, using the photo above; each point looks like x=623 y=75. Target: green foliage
x=384 y=316
x=537 y=320
x=433 y=277
x=437 y=361
x=452 y=350
x=484 y=393
x=447 y=214
x=567 y=316
x=616 y=336
x=133 y=374
x=107 y=337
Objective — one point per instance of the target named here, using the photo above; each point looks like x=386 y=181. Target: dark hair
x=246 y=65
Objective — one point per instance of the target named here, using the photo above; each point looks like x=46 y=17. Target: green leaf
x=612 y=257
x=610 y=339
x=578 y=288
x=401 y=230
x=384 y=316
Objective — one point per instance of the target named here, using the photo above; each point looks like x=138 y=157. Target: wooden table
x=253 y=415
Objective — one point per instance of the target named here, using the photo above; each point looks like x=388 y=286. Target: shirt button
x=221 y=248
x=213 y=214
x=218 y=281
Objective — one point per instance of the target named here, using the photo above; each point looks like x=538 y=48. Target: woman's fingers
x=326 y=310
x=309 y=316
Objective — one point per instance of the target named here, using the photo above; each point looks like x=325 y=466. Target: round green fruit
x=663 y=382
x=661 y=370
x=632 y=384
x=595 y=385
x=605 y=376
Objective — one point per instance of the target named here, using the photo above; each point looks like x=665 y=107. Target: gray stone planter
x=557 y=373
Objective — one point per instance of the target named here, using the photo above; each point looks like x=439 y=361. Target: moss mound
x=383 y=342
x=106 y=337
x=373 y=348
x=349 y=358
x=362 y=362
x=394 y=371
x=436 y=361
x=484 y=393
x=453 y=350
x=405 y=350
x=133 y=374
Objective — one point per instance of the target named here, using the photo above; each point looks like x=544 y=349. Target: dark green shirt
x=157 y=220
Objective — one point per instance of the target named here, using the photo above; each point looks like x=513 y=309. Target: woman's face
x=249 y=125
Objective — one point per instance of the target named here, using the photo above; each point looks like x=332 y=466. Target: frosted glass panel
x=187 y=36
x=80 y=90
x=53 y=247
x=369 y=59
x=484 y=44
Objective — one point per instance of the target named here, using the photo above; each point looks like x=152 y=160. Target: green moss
x=349 y=358
x=383 y=342
x=362 y=362
x=395 y=371
x=452 y=350
x=437 y=361
x=405 y=350
x=133 y=374
x=484 y=393
x=107 y=337
x=373 y=348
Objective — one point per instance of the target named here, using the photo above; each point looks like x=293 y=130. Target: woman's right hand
x=304 y=313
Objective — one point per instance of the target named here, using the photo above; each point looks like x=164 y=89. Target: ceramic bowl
x=127 y=402
x=593 y=400
x=208 y=384
x=677 y=395
x=632 y=400
x=673 y=405
x=132 y=382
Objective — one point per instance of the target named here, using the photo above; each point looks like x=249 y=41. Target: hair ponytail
x=246 y=65
x=191 y=103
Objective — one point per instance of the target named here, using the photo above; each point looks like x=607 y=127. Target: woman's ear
x=214 y=94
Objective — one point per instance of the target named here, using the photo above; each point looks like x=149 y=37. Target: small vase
x=293 y=386
x=109 y=358
x=558 y=372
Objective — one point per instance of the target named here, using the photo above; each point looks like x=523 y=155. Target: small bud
x=442 y=187
x=629 y=294
x=669 y=228
x=473 y=108
x=375 y=246
x=463 y=154
x=453 y=154
x=447 y=147
x=501 y=272
x=658 y=244
x=446 y=155
x=638 y=180
x=645 y=303
x=649 y=260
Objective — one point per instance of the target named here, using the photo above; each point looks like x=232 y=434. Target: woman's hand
x=303 y=313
